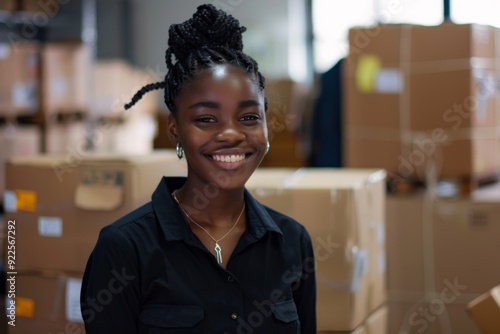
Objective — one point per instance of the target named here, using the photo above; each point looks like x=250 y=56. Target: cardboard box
x=376 y=323
x=65 y=137
x=485 y=310
x=344 y=212
x=429 y=316
x=66 y=78
x=405 y=246
x=418 y=96
x=17 y=141
x=442 y=253
x=114 y=84
x=19 y=64
x=8 y=5
x=61 y=202
x=133 y=135
x=47 y=304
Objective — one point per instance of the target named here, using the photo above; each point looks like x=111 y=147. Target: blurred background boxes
x=344 y=212
x=376 y=323
x=8 y=5
x=48 y=303
x=442 y=253
x=63 y=202
x=20 y=141
x=422 y=95
x=19 y=65
x=66 y=85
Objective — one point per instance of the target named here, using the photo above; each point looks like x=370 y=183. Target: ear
x=172 y=129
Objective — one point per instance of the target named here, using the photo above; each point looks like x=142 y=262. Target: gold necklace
x=218 y=249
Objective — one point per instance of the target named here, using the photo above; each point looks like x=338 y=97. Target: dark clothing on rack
x=326 y=134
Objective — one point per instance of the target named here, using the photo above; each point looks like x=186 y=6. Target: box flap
x=99 y=197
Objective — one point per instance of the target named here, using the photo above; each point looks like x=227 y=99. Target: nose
x=230 y=132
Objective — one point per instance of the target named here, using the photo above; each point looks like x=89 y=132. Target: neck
x=215 y=207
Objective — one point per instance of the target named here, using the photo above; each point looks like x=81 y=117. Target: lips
x=229 y=161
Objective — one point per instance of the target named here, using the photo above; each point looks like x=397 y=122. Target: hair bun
x=209 y=27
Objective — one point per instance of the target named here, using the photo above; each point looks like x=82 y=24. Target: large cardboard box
x=61 y=202
x=376 y=323
x=66 y=78
x=442 y=253
x=485 y=310
x=344 y=212
x=423 y=97
x=19 y=65
x=46 y=303
x=17 y=141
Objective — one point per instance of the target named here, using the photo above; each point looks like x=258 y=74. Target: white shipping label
x=73 y=312
x=50 y=226
x=382 y=265
x=388 y=81
x=380 y=233
x=4 y=51
x=360 y=267
x=9 y=201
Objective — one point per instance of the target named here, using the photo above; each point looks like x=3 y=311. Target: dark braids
x=144 y=90
x=209 y=38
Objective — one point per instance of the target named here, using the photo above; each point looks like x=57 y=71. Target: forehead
x=222 y=79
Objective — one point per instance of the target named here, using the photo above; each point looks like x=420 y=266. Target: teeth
x=229 y=158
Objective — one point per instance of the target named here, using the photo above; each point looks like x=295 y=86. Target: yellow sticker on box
x=25 y=307
x=26 y=200
x=366 y=73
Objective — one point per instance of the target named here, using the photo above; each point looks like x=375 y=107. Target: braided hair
x=211 y=37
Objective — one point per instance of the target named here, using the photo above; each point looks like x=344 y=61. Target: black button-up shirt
x=148 y=273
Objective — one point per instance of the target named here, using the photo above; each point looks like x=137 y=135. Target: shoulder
x=130 y=225
x=287 y=225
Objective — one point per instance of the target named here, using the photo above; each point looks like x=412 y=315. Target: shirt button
x=234 y=316
x=230 y=279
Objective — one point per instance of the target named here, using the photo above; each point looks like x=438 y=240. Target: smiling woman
x=204 y=256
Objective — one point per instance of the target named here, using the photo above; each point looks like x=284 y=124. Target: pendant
x=218 y=251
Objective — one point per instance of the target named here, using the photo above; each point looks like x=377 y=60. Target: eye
x=206 y=119
x=250 y=118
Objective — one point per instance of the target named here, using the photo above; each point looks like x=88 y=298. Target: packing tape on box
x=410 y=137
x=360 y=269
x=404 y=100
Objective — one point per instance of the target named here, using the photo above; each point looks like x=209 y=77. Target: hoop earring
x=268 y=146
x=179 y=151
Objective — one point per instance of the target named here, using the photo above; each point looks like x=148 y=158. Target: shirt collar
x=174 y=226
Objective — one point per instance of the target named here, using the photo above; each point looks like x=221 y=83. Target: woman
x=204 y=256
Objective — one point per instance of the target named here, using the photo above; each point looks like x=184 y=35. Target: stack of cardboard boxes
x=423 y=103
x=58 y=204
x=344 y=212
x=442 y=254
x=53 y=99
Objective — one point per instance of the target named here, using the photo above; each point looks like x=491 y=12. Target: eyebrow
x=215 y=105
